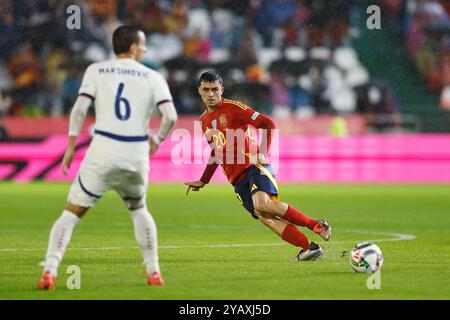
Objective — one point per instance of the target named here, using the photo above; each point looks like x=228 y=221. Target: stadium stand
x=285 y=58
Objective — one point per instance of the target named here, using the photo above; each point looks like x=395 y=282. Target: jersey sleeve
x=88 y=85
x=161 y=91
x=208 y=172
x=245 y=115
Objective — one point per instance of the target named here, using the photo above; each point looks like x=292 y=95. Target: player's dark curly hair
x=124 y=37
x=210 y=76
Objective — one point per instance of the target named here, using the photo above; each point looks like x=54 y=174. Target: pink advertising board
x=300 y=159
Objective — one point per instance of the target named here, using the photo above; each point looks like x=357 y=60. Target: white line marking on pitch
x=398 y=237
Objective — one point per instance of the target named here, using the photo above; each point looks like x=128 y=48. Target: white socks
x=144 y=230
x=146 y=237
x=58 y=241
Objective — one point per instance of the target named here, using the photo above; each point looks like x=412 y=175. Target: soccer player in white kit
x=125 y=93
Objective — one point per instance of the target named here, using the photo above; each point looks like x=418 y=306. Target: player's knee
x=257 y=214
x=77 y=210
x=261 y=205
x=134 y=203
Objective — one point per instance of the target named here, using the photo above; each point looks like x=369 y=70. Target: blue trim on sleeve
x=122 y=138
x=87 y=95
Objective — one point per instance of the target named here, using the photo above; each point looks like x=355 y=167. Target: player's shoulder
x=94 y=66
x=154 y=74
x=228 y=103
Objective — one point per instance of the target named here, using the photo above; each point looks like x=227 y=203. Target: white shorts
x=94 y=180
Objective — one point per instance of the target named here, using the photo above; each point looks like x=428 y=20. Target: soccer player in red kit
x=246 y=167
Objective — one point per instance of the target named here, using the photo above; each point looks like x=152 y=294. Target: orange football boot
x=155 y=279
x=47 y=281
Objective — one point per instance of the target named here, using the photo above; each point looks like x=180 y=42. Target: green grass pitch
x=210 y=248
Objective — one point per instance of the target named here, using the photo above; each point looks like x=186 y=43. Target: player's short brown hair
x=124 y=37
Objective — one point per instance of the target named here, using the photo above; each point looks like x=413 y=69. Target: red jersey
x=227 y=130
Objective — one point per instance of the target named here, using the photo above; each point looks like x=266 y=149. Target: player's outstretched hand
x=67 y=160
x=195 y=185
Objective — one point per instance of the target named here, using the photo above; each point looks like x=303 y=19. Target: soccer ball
x=366 y=257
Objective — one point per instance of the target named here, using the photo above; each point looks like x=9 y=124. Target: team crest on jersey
x=223 y=120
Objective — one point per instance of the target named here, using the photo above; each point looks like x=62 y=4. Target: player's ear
x=133 y=48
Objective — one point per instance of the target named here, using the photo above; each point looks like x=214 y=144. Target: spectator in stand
x=8 y=30
x=145 y=14
x=103 y=8
x=338 y=24
x=5 y=103
x=392 y=7
x=223 y=21
x=446 y=5
x=439 y=74
x=270 y=16
x=27 y=75
x=110 y=23
x=55 y=79
x=377 y=101
x=427 y=32
x=279 y=95
x=197 y=47
x=228 y=33
x=291 y=32
x=177 y=20
x=415 y=36
x=246 y=51
x=329 y=22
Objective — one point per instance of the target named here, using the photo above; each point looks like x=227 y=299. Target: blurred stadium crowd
x=425 y=26
x=282 y=57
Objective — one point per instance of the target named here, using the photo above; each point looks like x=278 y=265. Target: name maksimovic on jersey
x=121 y=71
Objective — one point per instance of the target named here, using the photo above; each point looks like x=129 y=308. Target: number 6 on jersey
x=119 y=100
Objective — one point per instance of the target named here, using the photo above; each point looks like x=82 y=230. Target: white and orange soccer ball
x=366 y=257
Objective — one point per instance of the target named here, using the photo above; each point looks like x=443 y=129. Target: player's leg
x=59 y=238
x=145 y=232
x=132 y=187
x=289 y=233
x=83 y=194
x=282 y=228
x=286 y=231
x=263 y=202
x=264 y=189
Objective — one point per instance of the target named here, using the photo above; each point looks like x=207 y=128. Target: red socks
x=294 y=216
x=292 y=235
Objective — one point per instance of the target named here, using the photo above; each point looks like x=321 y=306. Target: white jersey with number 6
x=124 y=92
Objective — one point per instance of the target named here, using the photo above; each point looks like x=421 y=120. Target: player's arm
x=163 y=99
x=77 y=117
x=169 y=117
x=206 y=177
x=268 y=126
